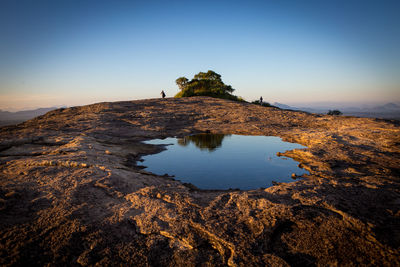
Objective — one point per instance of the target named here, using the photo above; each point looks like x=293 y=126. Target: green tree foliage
x=334 y=112
x=181 y=82
x=205 y=84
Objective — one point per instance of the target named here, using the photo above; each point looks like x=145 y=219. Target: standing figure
x=162 y=94
x=261 y=99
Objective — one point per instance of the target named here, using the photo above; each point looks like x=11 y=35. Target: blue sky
x=81 y=52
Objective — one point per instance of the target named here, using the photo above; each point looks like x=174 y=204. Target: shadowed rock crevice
x=278 y=247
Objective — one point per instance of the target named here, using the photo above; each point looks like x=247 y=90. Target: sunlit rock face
x=73 y=192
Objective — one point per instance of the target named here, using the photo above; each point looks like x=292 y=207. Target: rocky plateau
x=72 y=194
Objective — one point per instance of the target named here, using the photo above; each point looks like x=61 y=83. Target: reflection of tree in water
x=203 y=141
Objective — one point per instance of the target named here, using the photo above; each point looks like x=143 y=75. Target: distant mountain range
x=8 y=118
x=386 y=111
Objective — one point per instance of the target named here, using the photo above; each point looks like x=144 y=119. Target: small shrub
x=264 y=104
x=334 y=112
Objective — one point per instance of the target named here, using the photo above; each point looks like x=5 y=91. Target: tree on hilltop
x=181 y=82
x=205 y=84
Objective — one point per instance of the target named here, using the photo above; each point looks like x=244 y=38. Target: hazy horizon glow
x=79 y=52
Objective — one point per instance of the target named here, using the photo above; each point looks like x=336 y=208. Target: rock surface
x=71 y=193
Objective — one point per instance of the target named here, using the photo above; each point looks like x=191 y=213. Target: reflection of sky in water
x=245 y=162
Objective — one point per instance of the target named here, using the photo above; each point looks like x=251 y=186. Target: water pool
x=217 y=161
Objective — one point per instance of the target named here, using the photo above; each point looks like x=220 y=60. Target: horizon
x=74 y=53
x=311 y=105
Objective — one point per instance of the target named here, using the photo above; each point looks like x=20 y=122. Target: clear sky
x=79 y=52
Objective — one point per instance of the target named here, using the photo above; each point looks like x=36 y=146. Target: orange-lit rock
x=71 y=192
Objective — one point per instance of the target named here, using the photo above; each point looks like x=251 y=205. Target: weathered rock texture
x=71 y=193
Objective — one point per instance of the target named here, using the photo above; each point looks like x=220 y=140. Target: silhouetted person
x=162 y=94
x=261 y=99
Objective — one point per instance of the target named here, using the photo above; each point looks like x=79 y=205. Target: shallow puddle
x=217 y=161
